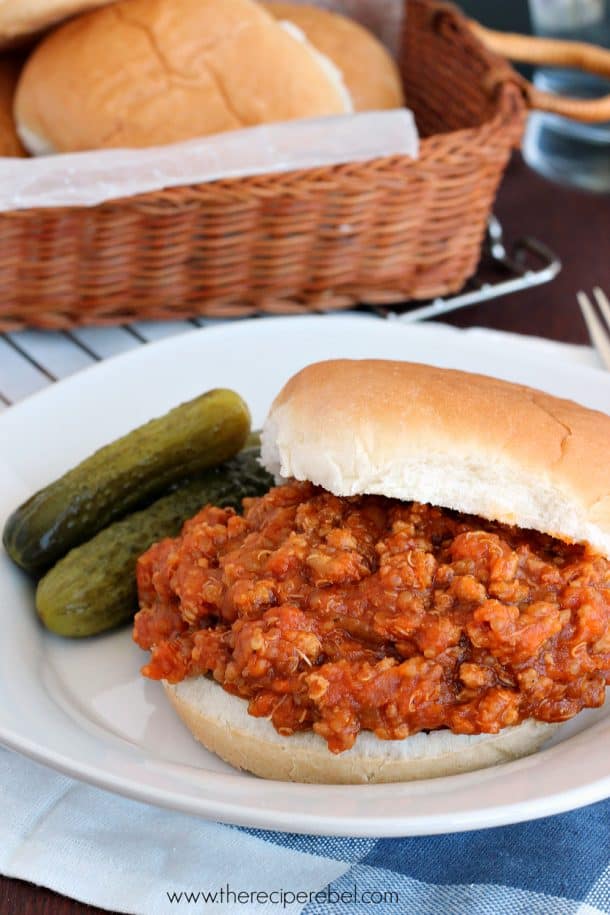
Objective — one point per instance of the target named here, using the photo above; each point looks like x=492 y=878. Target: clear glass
x=566 y=151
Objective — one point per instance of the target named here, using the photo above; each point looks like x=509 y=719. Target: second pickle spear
x=93 y=588
x=125 y=475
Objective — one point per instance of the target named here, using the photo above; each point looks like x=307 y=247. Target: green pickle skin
x=124 y=476
x=93 y=588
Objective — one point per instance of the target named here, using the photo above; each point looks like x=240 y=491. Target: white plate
x=83 y=708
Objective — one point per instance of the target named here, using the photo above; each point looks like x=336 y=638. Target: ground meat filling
x=344 y=614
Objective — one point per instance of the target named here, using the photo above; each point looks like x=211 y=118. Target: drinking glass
x=563 y=150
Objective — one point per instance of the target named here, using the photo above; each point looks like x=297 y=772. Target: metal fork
x=597 y=324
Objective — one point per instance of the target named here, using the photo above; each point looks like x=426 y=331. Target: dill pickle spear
x=125 y=475
x=93 y=588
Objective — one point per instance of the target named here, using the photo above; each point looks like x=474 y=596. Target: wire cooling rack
x=502 y=271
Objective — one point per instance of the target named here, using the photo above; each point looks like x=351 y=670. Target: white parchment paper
x=86 y=179
x=384 y=18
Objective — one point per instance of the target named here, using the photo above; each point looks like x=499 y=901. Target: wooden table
x=577 y=227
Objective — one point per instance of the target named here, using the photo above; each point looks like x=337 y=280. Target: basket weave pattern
x=377 y=232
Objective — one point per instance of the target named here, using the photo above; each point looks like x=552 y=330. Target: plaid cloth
x=130 y=857
x=554 y=866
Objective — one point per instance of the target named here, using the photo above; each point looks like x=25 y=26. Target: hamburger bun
x=466 y=442
x=369 y=71
x=10 y=145
x=20 y=19
x=151 y=72
x=221 y=723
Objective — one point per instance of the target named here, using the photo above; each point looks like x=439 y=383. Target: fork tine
x=604 y=305
x=598 y=333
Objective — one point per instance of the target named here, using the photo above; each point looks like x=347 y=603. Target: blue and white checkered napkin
x=129 y=857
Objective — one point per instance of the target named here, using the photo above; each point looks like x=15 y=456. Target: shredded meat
x=344 y=614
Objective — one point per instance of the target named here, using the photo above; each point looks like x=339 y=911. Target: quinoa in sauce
x=344 y=614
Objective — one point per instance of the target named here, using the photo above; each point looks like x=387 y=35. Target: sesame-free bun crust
x=369 y=71
x=467 y=442
x=10 y=144
x=220 y=721
x=150 y=72
x=22 y=18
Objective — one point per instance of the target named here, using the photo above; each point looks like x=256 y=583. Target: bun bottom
x=222 y=724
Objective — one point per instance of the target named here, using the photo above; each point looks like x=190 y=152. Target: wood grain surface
x=577 y=226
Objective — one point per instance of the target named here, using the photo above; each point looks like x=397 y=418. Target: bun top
x=150 y=72
x=467 y=442
x=22 y=18
x=369 y=70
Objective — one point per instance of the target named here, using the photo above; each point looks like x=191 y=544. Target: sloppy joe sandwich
x=151 y=72
x=426 y=591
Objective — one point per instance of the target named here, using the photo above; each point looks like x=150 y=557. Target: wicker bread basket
x=379 y=232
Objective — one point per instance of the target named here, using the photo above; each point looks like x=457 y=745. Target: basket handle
x=553 y=52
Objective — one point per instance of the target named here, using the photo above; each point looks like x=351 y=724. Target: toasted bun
x=467 y=442
x=369 y=70
x=222 y=724
x=10 y=144
x=150 y=72
x=20 y=19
